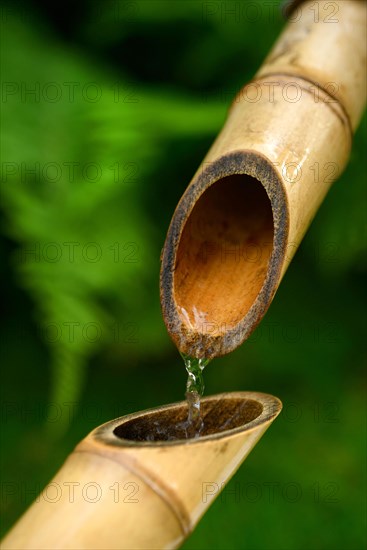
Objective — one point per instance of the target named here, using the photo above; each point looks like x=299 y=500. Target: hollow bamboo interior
x=287 y=137
x=129 y=484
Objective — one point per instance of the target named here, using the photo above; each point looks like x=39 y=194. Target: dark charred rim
x=244 y=162
x=290 y=6
x=271 y=407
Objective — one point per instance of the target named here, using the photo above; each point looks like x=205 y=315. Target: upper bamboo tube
x=287 y=137
x=118 y=490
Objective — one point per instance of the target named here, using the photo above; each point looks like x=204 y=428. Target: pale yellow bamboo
x=286 y=139
x=115 y=493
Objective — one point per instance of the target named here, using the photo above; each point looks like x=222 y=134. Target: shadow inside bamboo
x=219 y=414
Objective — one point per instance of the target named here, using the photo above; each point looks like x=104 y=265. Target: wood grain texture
x=287 y=137
x=119 y=491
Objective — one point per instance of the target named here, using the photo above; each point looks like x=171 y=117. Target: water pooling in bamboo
x=193 y=426
x=194 y=391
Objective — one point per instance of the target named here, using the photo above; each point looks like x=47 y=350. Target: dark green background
x=152 y=82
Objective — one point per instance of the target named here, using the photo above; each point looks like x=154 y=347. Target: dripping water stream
x=194 y=392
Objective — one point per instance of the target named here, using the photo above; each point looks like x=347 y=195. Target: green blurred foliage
x=94 y=158
x=131 y=95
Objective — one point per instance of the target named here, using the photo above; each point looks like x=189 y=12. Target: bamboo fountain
x=287 y=137
x=133 y=483
x=121 y=488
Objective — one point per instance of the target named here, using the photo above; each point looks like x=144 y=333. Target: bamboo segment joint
x=319 y=93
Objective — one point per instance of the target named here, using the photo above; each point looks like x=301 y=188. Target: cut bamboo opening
x=287 y=138
x=234 y=211
x=131 y=484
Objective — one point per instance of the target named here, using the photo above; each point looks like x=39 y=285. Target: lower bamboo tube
x=119 y=491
